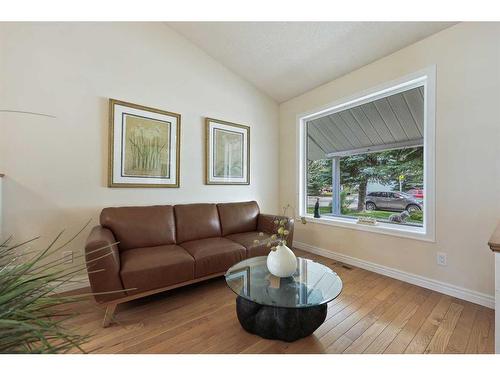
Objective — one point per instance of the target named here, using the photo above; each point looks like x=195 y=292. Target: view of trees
x=319 y=176
x=357 y=170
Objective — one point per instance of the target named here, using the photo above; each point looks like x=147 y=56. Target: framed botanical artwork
x=144 y=145
x=227 y=153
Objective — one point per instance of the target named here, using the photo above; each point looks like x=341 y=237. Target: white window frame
x=425 y=77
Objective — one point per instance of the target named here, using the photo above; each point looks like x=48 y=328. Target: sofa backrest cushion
x=196 y=221
x=137 y=227
x=238 y=217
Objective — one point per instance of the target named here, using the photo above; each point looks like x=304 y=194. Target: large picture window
x=368 y=161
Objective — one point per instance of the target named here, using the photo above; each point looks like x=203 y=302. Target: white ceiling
x=286 y=59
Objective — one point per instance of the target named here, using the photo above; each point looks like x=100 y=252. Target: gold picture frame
x=144 y=146
x=230 y=166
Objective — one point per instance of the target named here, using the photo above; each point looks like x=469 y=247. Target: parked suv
x=391 y=201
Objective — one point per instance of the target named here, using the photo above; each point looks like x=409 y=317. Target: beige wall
x=467 y=57
x=56 y=169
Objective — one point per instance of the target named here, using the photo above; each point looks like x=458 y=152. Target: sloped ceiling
x=286 y=59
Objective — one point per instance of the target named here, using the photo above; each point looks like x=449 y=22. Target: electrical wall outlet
x=441 y=259
x=67 y=257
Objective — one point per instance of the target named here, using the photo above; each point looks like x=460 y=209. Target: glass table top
x=312 y=283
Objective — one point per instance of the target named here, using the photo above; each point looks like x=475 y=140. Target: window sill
x=415 y=233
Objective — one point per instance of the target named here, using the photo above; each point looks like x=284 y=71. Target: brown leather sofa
x=138 y=251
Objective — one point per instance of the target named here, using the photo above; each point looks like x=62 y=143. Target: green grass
x=381 y=215
x=376 y=214
x=384 y=215
x=322 y=210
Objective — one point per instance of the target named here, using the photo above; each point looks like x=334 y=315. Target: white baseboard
x=425 y=282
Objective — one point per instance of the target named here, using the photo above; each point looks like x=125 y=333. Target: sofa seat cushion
x=213 y=255
x=150 y=268
x=247 y=240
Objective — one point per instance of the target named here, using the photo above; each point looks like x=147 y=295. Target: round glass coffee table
x=282 y=308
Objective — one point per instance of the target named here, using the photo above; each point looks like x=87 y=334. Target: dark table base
x=279 y=323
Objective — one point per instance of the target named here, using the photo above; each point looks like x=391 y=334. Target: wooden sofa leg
x=108 y=315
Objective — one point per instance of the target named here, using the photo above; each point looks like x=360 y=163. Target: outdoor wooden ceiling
x=392 y=122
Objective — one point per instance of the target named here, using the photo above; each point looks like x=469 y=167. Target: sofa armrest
x=265 y=223
x=103 y=265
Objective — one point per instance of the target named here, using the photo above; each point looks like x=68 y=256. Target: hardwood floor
x=373 y=314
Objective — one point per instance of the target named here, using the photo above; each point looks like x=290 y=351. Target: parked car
x=417 y=193
x=392 y=201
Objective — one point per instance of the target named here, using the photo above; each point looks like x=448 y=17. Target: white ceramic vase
x=282 y=262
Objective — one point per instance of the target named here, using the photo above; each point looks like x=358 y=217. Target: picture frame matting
x=144 y=146
x=227 y=156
